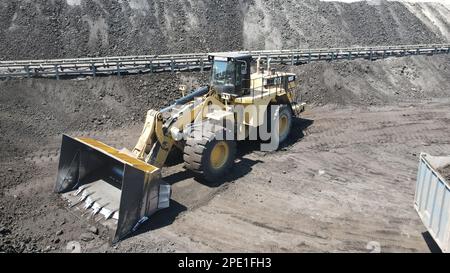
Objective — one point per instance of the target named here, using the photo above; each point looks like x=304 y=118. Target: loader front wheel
x=208 y=156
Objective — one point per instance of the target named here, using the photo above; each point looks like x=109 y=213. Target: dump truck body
x=432 y=198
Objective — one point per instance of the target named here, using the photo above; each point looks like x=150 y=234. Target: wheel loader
x=124 y=188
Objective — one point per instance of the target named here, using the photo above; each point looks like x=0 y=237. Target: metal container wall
x=432 y=199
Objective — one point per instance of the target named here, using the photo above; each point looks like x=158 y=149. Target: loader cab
x=231 y=73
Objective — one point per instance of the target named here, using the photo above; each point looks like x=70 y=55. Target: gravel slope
x=60 y=28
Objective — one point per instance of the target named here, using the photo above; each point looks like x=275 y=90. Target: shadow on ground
x=160 y=219
x=432 y=245
x=298 y=127
x=242 y=167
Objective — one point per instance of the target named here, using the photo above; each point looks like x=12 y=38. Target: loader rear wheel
x=209 y=156
x=285 y=122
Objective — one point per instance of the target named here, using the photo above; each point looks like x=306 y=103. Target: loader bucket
x=112 y=185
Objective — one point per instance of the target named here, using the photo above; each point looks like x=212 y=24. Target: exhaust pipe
x=111 y=183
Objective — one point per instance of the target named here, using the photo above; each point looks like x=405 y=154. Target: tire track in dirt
x=364 y=194
x=303 y=198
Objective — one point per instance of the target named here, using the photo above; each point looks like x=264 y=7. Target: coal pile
x=445 y=172
x=33 y=109
x=66 y=28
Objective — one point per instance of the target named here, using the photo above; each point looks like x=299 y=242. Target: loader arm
x=158 y=137
x=153 y=145
x=147 y=136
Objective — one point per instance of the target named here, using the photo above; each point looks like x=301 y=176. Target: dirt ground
x=445 y=172
x=344 y=183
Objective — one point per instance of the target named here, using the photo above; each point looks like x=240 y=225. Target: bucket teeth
x=94 y=199
x=88 y=205
x=84 y=197
x=81 y=189
x=96 y=208
x=94 y=203
x=111 y=214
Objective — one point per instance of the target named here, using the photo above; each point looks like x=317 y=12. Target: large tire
x=208 y=156
x=284 y=121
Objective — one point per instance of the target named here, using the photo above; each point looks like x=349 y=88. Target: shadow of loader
x=242 y=167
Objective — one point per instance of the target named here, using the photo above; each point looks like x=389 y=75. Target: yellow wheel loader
x=124 y=188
